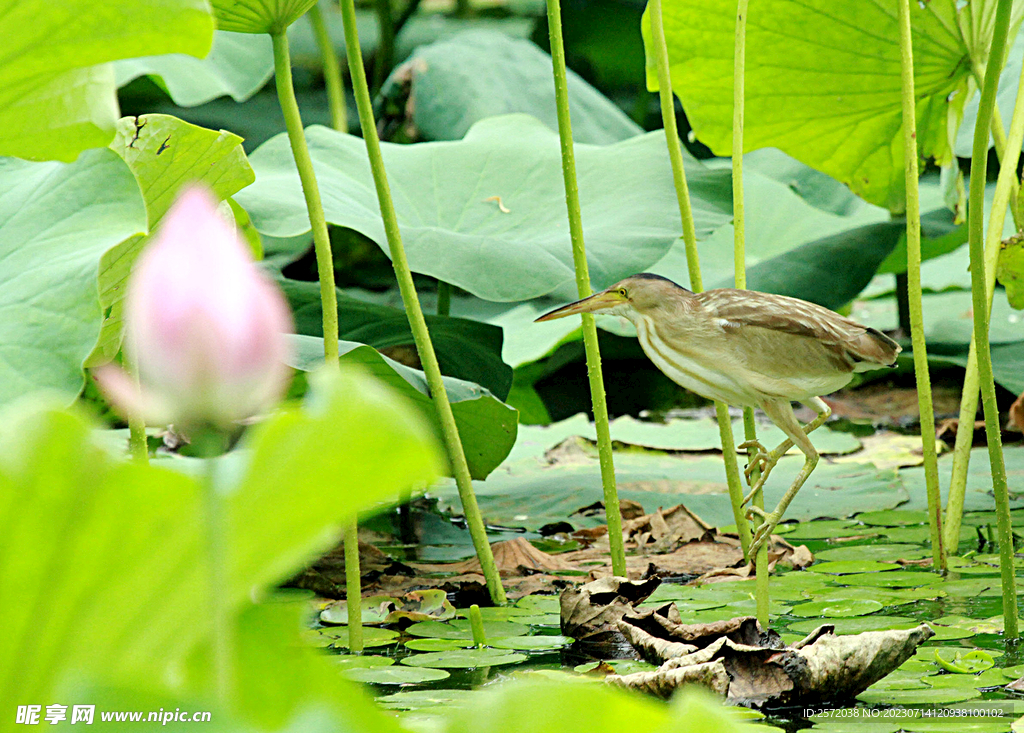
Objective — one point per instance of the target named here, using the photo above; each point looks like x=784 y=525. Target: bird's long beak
x=596 y=302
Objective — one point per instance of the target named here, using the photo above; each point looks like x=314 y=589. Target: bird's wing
x=737 y=309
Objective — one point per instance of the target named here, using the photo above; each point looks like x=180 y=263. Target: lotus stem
x=325 y=272
x=675 y=153
x=424 y=346
x=979 y=297
x=1004 y=195
x=332 y=70
x=579 y=255
x=924 y=385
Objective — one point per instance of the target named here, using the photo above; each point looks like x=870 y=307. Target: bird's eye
x=622 y=292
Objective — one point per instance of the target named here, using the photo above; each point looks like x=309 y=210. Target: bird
x=747 y=349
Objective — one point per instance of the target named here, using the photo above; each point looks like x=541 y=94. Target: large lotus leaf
x=56 y=221
x=822 y=82
x=124 y=545
x=456 y=231
x=238 y=66
x=793 y=247
x=486 y=425
x=947 y=319
x=468 y=350
x=259 y=16
x=55 y=97
x=165 y=154
x=529 y=494
x=450 y=85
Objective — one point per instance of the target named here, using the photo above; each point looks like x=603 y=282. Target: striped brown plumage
x=749 y=349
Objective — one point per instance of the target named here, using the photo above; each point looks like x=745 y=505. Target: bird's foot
x=758 y=460
x=764 y=530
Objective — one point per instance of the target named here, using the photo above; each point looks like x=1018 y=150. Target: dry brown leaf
x=1017 y=414
x=513 y=557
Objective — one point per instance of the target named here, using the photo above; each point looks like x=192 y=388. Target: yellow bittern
x=748 y=349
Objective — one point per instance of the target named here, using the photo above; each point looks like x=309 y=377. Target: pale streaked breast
x=688 y=373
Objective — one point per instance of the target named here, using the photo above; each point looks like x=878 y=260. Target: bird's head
x=635 y=294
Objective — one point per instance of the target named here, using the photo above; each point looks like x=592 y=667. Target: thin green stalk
x=208 y=445
x=1004 y=195
x=449 y=430
x=332 y=70
x=976 y=233
x=924 y=385
x=675 y=154
x=353 y=587
x=385 y=57
x=761 y=559
x=579 y=255
x=324 y=259
x=138 y=447
x=304 y=164
x=1001 y=144
x=739 y=253
x=444 y=298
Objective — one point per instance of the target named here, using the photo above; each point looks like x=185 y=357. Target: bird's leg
x=781 y=413
x=766 y=460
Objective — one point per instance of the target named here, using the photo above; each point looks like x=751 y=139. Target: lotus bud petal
x=206 y=328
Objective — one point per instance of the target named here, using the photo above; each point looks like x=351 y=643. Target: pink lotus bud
x=205 y=327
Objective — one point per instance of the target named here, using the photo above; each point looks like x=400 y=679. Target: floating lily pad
x=544 y=619
x=372 y=636
x=988 y=678
x=963 y=662
x=621 y=666
x=826 y=529
x=395 y=675
x=437 y=645
x=839 y=721
x=920 y=535
x=419 y=699
x=856 y=624
x=975 y=724
x=884 y=552
x=545 y=604
x=949 y=633
x=887 y=597
x=901 y=679
x=932 y=696
x=496 y=613
x=360 y=661
x=1013 y=673
x=837 y=608
x=849 y=567
x=893 y=579
x=460 y=629
x=893 y=518
x=464 y=659
x=544 y=642
x=993 y=625
x=374 y=610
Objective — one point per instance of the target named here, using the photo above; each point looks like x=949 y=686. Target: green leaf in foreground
x=487 y=425
x=458 y=81
x=238 y=65
x=56 y=222
x=456 y=231
x=823 y=83
x=84 y=524
x=1010 y=270
x=57 y=96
